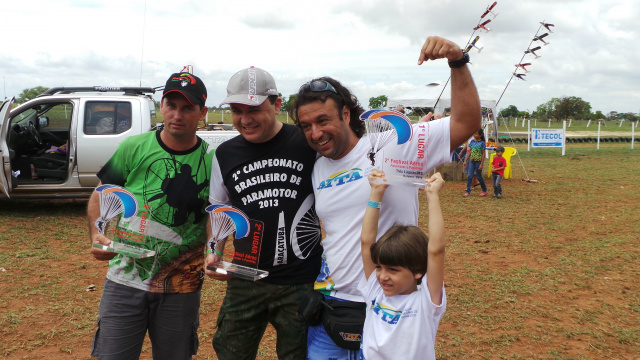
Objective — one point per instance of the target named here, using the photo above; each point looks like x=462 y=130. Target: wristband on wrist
x=218 y=252
x=460 y=62
x=208 y=251
x=374 y=204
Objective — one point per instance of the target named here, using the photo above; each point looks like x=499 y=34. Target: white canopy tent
x=426 y=96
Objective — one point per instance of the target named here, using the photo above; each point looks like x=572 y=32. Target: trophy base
x=243 y=272
x=403 y=181
x=128 y=250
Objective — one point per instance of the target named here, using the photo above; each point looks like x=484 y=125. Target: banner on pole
x=547 y=137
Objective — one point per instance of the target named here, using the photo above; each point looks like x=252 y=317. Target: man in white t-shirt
x=328 y=114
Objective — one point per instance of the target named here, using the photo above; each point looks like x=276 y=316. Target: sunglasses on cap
x=318 y=85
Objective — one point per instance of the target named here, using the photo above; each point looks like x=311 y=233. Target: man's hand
x=427 y=117
x=436 y=47
x=100 y=254
x=211 y=259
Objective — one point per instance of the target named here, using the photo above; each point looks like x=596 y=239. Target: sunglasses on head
x=318 y=85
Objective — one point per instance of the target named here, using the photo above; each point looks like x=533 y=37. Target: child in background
x=497 y=171
x=402 y=317
x=475 y=160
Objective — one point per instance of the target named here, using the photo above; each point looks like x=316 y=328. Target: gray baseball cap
x=251 y=86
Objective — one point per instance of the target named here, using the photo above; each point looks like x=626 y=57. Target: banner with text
x=547 y=137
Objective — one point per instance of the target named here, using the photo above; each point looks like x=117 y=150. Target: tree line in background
x=564 y=108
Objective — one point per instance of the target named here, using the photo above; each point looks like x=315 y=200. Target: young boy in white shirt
x=406 y=298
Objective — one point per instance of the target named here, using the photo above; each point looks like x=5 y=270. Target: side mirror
x=43 y=121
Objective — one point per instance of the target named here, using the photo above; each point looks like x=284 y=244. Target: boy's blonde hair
x=402 y=245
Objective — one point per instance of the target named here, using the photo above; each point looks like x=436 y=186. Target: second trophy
x=245 y=255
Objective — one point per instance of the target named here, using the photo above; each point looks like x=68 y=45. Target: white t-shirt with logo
x=400 y=326
x=342 y=190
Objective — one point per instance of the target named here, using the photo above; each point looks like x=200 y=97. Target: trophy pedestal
x=128 y=250
x=243 y=272
x=400 y=180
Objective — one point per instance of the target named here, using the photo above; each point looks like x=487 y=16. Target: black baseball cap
x=189 y=85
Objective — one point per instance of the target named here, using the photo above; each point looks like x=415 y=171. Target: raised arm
x=435 y=266
x=370 y=222
x=466 y=114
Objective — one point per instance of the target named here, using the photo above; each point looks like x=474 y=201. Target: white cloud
x=370 y=45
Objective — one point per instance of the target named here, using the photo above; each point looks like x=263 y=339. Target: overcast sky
x=371 y=46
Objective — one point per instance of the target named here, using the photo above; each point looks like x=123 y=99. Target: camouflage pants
x=246 y=310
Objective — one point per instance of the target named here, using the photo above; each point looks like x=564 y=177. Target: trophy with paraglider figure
x=245 y=256
x=118 y=207
x=383 y=127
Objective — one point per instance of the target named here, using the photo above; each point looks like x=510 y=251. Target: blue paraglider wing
x=400 y=123
x=240 y=220
x=129 y=202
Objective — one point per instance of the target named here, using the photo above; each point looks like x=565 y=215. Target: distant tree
x=288 y=103
x=28 y=94
x=597 y=115
x=546 y=111
x=629 y=116
x=572 y=107
x=614 y=115
x=284 y=102
x=509 y=111
x=378 y=102
x=568 y=107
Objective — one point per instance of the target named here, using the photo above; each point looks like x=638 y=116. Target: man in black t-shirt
x=266 y=173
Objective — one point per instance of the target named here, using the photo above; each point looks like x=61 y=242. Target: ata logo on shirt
x=341 y=178
x=387 y=314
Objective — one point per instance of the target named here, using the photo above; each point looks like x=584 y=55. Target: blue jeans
x=127 y=313
x=321 y=347
x=497 y=188
x=473 y=168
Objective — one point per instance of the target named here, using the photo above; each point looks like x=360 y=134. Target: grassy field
x=551 y=271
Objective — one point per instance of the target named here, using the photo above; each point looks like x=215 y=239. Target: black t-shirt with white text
x=271 y=183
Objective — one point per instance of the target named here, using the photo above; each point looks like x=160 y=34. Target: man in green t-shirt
x=168 y=173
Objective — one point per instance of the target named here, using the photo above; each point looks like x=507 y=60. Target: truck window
x=104 y=118
x=58 y=118
x=38 y=142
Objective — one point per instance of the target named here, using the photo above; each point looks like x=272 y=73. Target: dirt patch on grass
x=548 y=272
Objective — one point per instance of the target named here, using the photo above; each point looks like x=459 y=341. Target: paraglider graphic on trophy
x=387 y=127
x=118 y=210
x=245 y=256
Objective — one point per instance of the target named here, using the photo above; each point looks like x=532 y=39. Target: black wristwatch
x=460 y=62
